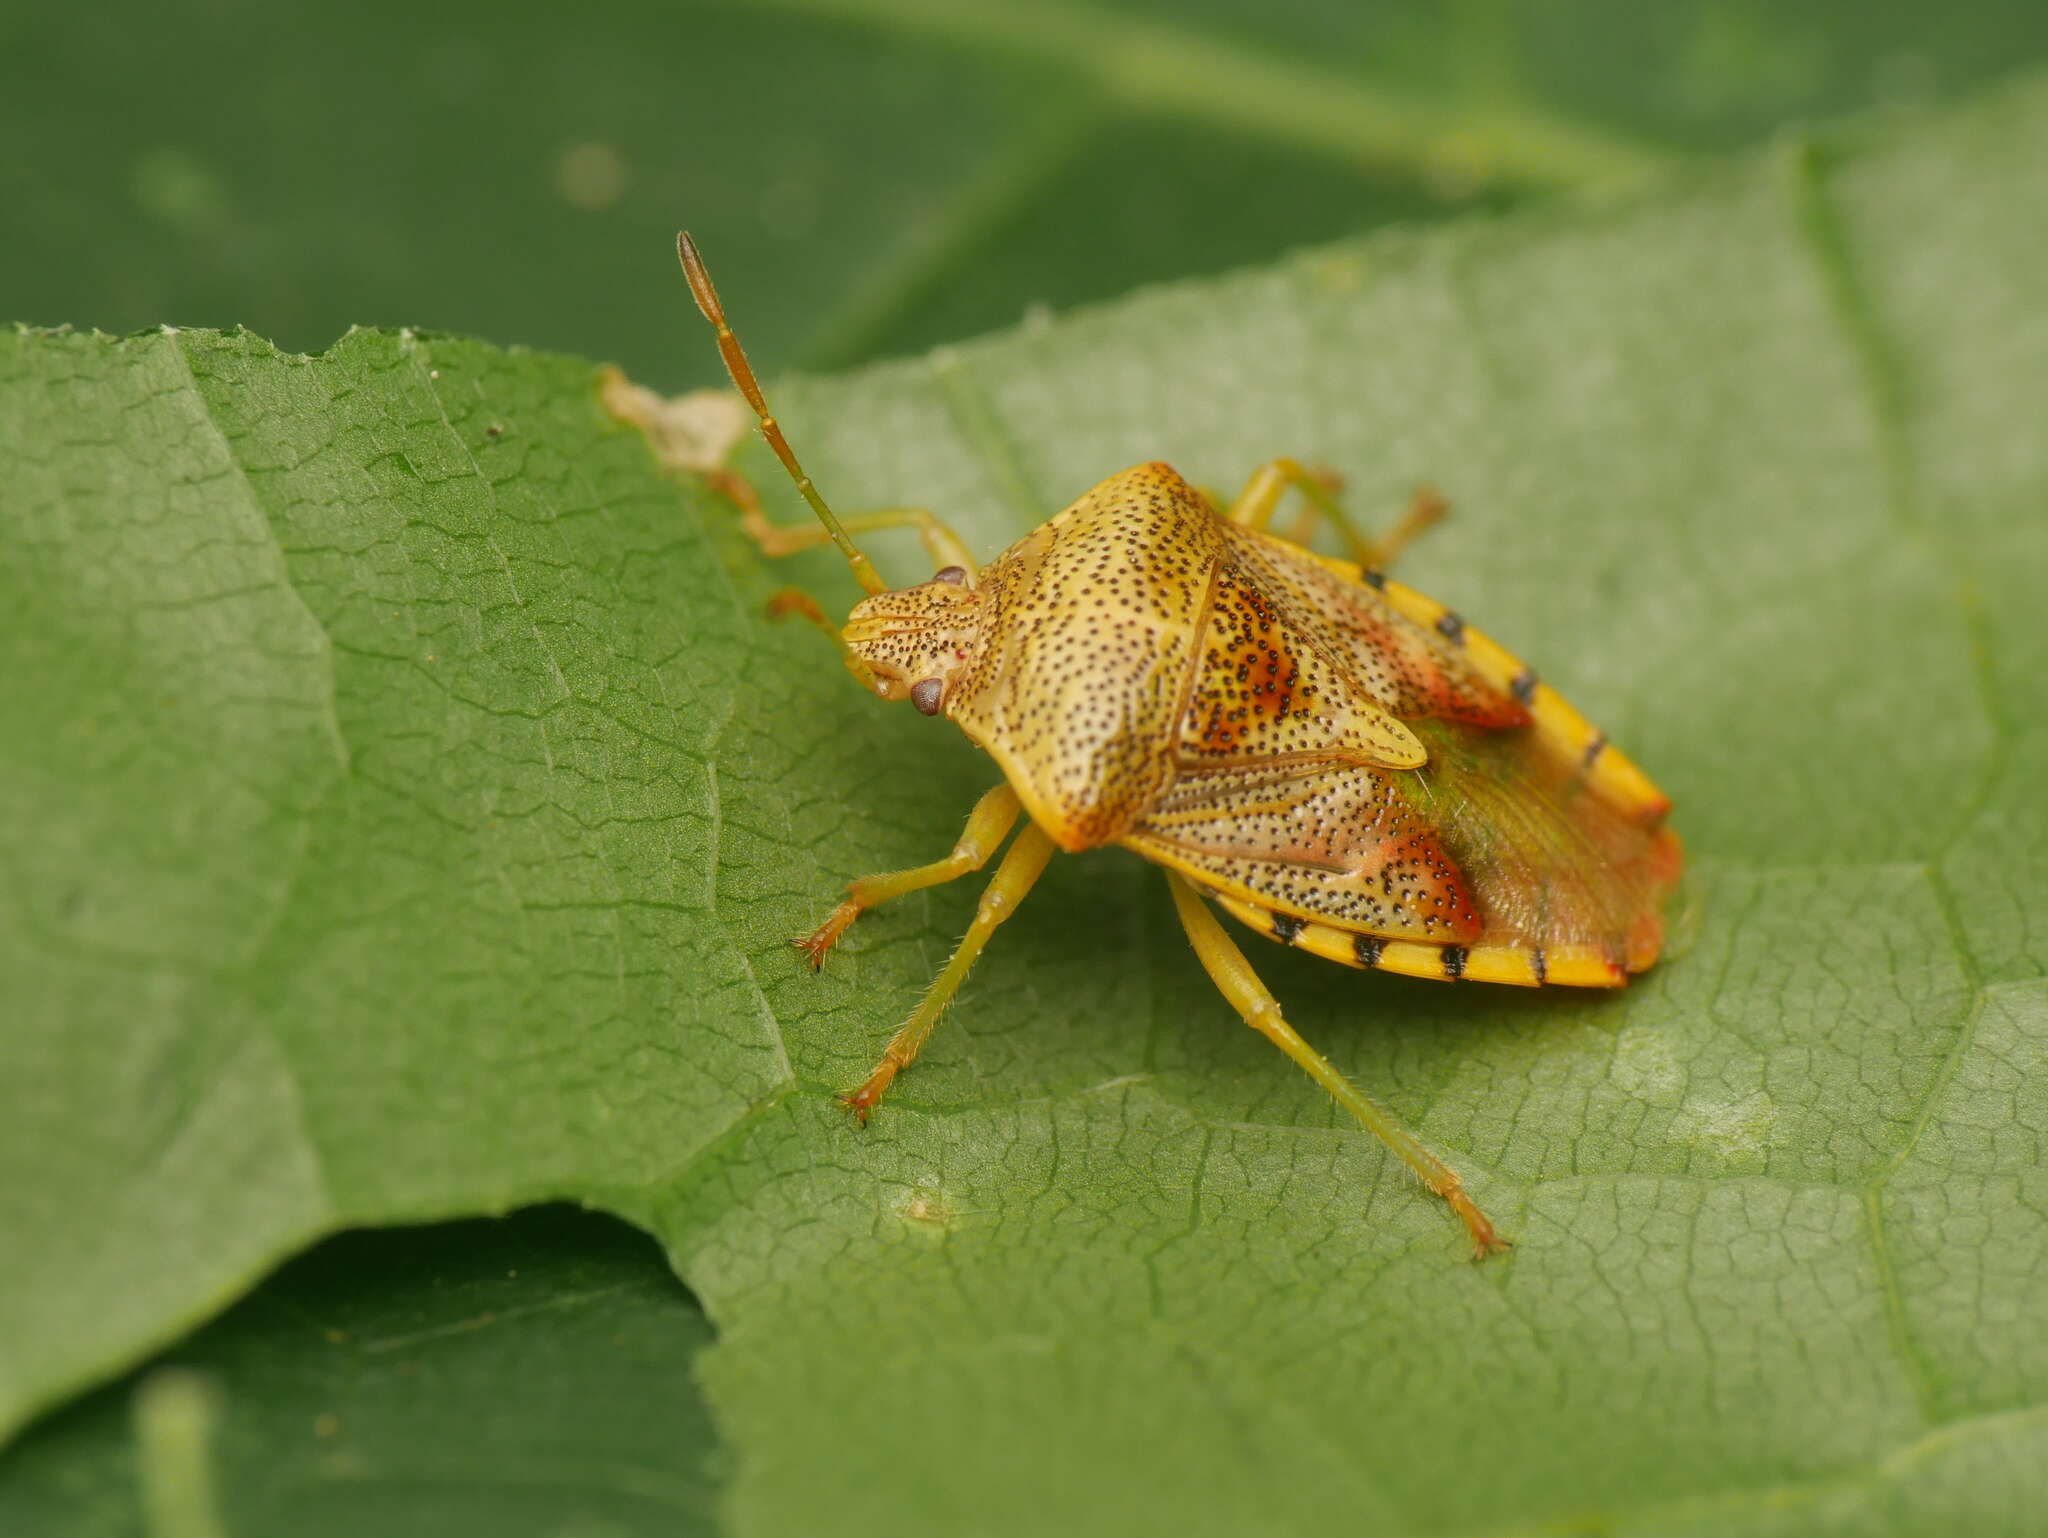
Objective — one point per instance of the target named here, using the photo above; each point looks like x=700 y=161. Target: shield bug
x=1338 y=762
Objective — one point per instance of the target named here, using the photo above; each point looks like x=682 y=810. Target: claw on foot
x=1429 y=506
x=1490 y=1243
x=818 y=943
x=1485 y=1241
x=862 y=1100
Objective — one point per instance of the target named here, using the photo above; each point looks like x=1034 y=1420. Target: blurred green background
x=869 y=176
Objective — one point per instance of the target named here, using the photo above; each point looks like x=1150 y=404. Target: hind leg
x=1238 y=983
x=1262 y=494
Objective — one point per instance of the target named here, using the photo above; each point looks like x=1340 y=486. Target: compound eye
x=926 y=693
x=957 y=575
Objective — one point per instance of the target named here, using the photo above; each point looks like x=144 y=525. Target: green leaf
x=487 y=166
x=407 y=802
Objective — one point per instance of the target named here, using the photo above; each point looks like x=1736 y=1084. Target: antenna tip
x=700 y=280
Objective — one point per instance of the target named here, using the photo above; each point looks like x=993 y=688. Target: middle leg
x=1014 y=878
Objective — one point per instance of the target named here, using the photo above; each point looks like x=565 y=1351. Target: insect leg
x=794 y=600
x=987 y=826
x=777 y=539
x=1235 y=979
x=1256 y=504
x=695 y=433
x=1261 y=497
x=1424 y=508
x=1017 y=874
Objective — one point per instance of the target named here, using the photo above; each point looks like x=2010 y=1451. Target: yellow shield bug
x=1333 y=759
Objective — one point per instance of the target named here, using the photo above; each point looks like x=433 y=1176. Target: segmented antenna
x=743 y=376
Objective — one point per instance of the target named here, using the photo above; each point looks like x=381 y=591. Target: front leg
x=987 y=826
x=698 y=432
x=941 y=544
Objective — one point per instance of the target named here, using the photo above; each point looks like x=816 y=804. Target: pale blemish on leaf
x=928 y=1209
x=1737 y=1130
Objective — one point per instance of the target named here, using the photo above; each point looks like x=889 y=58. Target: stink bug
x=1333 y=759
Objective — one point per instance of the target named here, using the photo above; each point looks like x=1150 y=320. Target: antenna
x=742 y=373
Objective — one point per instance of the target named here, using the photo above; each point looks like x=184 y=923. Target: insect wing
x=1521 y=832
x=1335 y=841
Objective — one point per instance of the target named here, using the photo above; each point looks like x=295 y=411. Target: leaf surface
x=409 y=803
